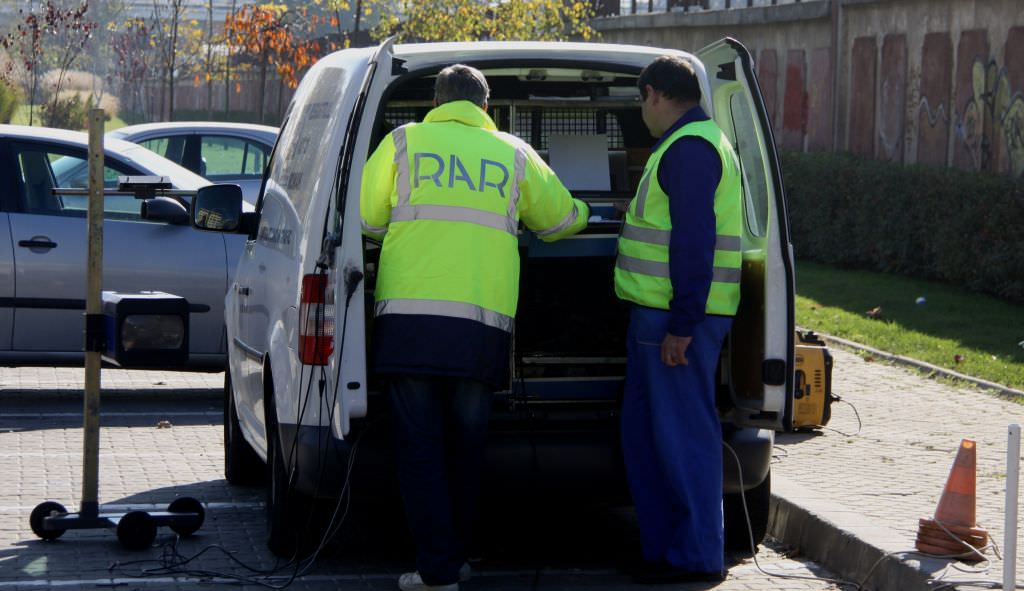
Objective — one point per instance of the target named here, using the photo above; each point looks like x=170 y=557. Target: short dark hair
x=672 y=76
x=461 y=83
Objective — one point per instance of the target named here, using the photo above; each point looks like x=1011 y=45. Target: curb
x=922 y=365
x=841 y=540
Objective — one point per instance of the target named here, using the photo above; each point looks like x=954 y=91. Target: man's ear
x=484 y=107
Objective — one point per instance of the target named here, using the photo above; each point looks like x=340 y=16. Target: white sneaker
x=413 y=582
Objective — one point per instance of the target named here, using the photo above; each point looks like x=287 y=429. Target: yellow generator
x=811 y=403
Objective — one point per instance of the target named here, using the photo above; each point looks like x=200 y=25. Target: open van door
x=344 y=243
x=760 y=360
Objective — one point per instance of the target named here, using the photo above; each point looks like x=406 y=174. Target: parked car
x=220 y=152
x=43 y=247
x=297 y=393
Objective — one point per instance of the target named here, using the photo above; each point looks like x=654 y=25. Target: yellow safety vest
x=447 y=196
x=642 y=268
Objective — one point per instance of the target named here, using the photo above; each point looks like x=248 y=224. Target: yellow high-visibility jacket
x=642 y=267
x=446 y=196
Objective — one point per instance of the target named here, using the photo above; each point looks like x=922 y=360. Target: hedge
x=932 y=223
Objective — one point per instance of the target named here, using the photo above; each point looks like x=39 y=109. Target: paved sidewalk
x=838 y=495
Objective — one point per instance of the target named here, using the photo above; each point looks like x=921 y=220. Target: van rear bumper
x=559 y=458
x=754 y=449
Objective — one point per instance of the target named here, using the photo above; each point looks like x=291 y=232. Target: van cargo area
x=569 y=344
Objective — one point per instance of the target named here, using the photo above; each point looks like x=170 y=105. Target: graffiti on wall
x=992 y=124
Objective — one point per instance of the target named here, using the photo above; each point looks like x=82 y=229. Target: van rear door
x=761 y=352
x=348 y=364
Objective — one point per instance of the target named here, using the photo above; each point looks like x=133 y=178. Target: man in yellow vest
x=446 y=196
x=679 y=265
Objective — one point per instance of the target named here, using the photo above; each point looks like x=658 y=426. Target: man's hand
x=673 y=350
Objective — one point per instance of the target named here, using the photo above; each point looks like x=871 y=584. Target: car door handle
x=241 y=290
x=36 y=243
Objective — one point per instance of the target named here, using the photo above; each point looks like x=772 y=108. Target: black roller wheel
x=136 y=530
x=187 y=527
x=40 y=513
x=737 y=536
x=241 y=464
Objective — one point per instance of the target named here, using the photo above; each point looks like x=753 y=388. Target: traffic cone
x=954 y=520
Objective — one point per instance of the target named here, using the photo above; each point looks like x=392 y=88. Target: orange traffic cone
x=954 y=522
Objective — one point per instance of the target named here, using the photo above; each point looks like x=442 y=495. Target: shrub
x=934 y=223
x=67 y=112
x=9 y=101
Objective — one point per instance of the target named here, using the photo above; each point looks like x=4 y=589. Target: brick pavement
x=142 y=466
x=894 y=470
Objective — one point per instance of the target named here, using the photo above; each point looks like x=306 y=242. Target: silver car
x=233 y=153
x=43 y=247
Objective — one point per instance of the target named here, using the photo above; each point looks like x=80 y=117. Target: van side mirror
x=217 y=208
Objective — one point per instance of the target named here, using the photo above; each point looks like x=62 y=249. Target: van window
x=748 y=149
x=299 y=157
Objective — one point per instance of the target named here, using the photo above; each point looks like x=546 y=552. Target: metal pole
x=94 y=277
x=1010 y=528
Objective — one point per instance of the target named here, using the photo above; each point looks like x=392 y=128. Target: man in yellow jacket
x=446 y=197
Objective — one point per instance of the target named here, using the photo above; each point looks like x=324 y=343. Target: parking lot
x=161 y=439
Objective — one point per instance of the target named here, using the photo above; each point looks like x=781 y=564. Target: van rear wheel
x=241 y=464
x=296 y=522
x=737 y=536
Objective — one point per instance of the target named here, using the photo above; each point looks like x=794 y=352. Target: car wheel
x=241 y=464
x=737 y=537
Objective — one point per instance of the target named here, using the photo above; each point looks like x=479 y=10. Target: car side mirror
x=217 y=208
x=164 y=209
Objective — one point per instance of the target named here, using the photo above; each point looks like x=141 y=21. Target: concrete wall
x=932 y=81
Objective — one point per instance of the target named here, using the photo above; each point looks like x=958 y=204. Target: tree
x=130 y=43
x=53 y=39
x=167 y=35
x=272 y=35
x=69 y=32
x=471 y=20
x=26 y=41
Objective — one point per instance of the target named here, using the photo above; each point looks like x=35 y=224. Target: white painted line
x=161 y=581
x=146 y=506
x=163 y=413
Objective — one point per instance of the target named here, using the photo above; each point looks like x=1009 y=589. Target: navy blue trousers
x=672 y=443
x=440 y=427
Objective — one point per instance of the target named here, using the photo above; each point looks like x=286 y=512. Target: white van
x=297 y=391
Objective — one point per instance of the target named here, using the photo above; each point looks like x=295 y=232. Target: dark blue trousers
x=440 y=426
x=672 y=443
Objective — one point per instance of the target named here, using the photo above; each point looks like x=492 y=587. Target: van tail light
x=316 y=320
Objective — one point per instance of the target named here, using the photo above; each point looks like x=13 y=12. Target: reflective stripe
x=445 y=308
x=726 y=275
x=635 y=265
x=520 y=173
x=402 y=163
x=656 y=269
x=661 y=237
x=374 y=229
x=453 y=213
x=567 y=221
x=728 y=243
x=648 y=235
x=641 y=199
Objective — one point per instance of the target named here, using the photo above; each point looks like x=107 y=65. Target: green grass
x=984 y=331
x=21 y=118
